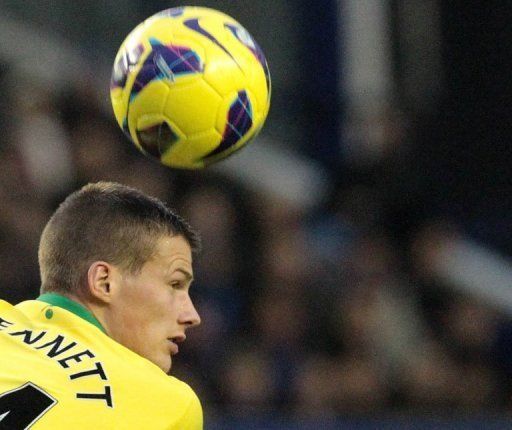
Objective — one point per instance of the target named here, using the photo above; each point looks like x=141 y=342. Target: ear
x=99 y=278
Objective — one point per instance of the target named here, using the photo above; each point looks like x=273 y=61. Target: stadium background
x=357 y=262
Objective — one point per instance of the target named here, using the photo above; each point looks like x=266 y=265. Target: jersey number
x=22 y=407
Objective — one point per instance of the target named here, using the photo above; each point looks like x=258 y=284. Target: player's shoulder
x=191 y=411
x=167 y=385
x=27 y=305
x=11 y=311
x=5 y=305
x=172 y=395
x=179 y=386
x=6 y=309
x=176 y=388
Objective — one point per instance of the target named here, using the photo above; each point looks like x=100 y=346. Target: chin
x=165 y=365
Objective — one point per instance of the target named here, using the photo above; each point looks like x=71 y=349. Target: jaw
x=163 y=360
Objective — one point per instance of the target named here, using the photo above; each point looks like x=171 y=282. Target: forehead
x=172 y=250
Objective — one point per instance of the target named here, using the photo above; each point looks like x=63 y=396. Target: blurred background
x=357 y=269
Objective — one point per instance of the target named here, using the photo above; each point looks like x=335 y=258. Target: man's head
x=128 y=258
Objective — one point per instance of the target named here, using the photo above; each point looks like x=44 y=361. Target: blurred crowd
x=318 y=313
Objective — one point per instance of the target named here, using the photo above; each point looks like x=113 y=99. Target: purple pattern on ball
x=166 y=62
x=248 y=41
x=124 y=65
x=193 y=24
x=239 y=123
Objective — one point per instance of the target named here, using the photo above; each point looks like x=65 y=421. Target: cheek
x=146 y=304
x=161 y=306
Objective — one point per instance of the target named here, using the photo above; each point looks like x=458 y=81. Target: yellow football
x=190 y=86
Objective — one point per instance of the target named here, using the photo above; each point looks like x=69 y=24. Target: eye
x=177 y=285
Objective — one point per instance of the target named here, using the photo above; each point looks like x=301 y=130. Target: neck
x=76 y=305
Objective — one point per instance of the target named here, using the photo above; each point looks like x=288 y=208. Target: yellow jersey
x=60 y=370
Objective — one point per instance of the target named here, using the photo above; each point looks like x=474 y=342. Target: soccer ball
x=190 y=86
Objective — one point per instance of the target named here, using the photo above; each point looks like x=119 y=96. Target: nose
x=189 y=315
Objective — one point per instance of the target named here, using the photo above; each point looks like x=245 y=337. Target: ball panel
x=149 y=103
x=188 y=154
x=222 y=69
x=192 y=107
x=224 y=76
x=249 y=70
x=248 y=49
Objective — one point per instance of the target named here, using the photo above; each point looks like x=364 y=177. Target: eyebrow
x=187 y=274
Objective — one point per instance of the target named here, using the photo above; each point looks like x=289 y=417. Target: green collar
x=71 y=306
